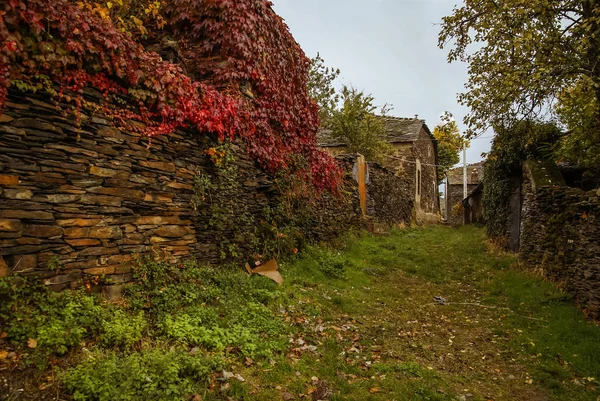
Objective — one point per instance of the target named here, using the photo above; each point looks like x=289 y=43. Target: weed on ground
x=421 y=314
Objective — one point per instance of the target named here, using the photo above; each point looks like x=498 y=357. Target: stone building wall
x=78 y=203
x=424 y=151
x=404 y=161
x=388 y=196
x=560 y=232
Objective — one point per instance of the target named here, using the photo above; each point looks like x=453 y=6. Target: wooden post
x=465 y=171
x=362 y=183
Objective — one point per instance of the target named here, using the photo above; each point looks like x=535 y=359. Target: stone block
x=100 y=271
x=103 y=172
x=7 y=129
x=64 y=279
x=171 y=231
x=121 y=278
x=36 y=124
x=22 y=249
x=79 y=222
x=119 y=192
x=20 y=241
x=88 y=182
x=63 y=198
x=73 y=149
x=119 y=259
x=112 y=292
x=4 y=118
x=98 y=251
x=10 y=225
x=128 y=228
x=179 y=185
x=159 y=240
x=42 y=231
x=9 y=179
x=140 y=179
x=71 y=189
x=159 y=197
x=19 y=194
x=109 y=232
x=26 y=214
x=4 y=270
x=158 y=165
x=23 y=263
x=101 y=200
x=159 y=220
x=83 y=242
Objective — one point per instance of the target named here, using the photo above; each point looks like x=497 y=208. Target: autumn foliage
x=234 y=70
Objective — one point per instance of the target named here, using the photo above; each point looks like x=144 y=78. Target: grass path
x=502 y=334
x=423 y=314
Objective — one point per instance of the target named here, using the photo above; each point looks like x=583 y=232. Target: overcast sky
x=387 y=48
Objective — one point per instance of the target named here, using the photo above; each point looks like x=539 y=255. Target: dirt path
x=431 y=315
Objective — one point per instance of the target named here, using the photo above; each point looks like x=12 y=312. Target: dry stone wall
x=80 y=202
x=389 y=199
x=560 y=231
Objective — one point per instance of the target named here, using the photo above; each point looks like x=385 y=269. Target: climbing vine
x=236 y=71
x=504 y=167
x=239 y=230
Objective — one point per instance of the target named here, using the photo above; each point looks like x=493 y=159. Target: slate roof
x=400 y=129
x=397 y=130
x=474 y=174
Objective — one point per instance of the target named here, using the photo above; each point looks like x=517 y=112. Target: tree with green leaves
x=449 y=143
x=531 y=59
x=358 y=126
x=321 y=89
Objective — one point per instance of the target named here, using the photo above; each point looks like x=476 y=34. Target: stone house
x=413 y=159
x=454 y=190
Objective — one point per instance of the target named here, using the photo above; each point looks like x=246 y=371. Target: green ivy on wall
x=504 y=167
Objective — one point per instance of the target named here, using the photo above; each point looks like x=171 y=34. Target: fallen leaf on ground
x=32 y=343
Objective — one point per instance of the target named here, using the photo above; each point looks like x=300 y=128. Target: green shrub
x=122 y=329
x=330 y=263
x=58 y=321
x=251 y=330
x=151 y=375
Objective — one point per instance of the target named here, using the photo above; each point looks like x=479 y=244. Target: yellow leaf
x=3 y=355
x=109 y=5
x=373 y=390
x=32 y=343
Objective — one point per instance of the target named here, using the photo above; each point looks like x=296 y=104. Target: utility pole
x=464 y=171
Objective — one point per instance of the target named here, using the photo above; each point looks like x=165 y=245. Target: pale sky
x=387 y=48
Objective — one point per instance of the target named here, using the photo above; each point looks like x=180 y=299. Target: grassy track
x=503 y=334
x=357 y=322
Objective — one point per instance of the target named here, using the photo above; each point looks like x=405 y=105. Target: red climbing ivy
x=237 y=72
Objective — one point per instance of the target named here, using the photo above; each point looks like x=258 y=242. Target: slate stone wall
x=389 y=196
x=78 y=203
x=560 y=232
x=424 y=150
